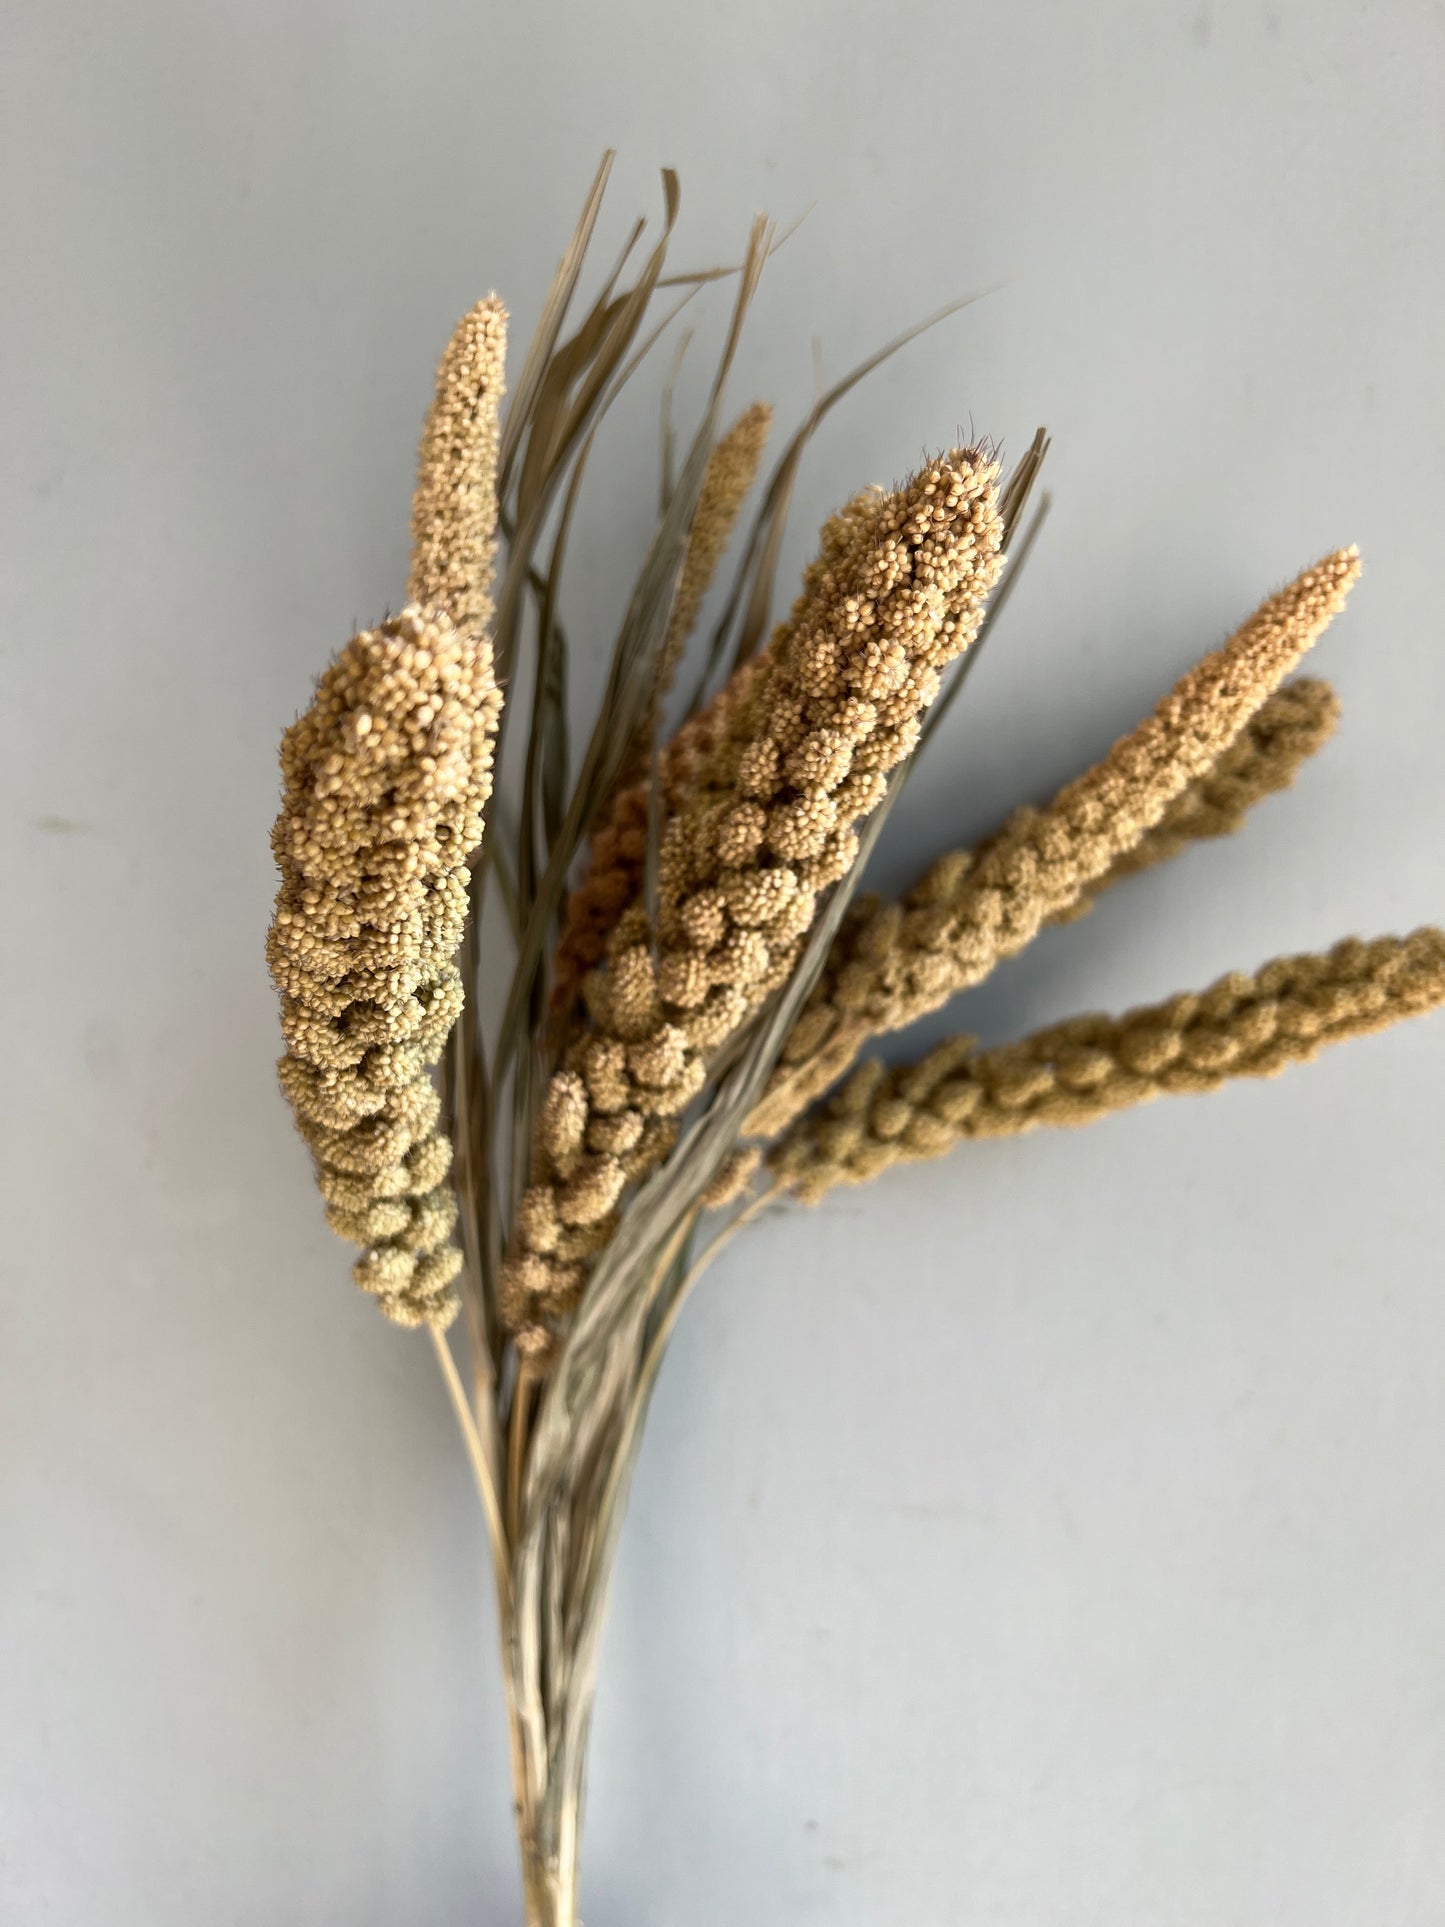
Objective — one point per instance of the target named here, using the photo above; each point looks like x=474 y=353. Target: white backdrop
x=1048 y=1537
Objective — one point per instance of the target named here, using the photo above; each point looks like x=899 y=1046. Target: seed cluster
x=755 y=804
x=731 y=470
x=1073 y=1073
x=895 y=962
x=385 y=778
x=767 y=794
x=617 y=855
x=1295 y=723
x=619 y=842
x=454 y=507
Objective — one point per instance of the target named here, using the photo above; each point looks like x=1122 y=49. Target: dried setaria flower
x=385 y=778
x=1077 y=1071
x=896 y=962
x=761 y=818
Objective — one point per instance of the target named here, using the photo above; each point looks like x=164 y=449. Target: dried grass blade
x=650 y=877
x=547 y=441
x=649 y=610
x=549 y=324
x=1014 y=496
x=556 y=756
x=591 y=353
x=669 y=433
x=556 y=426
x=1018 y=555
x=698 y=277
x=559 y=420
x=472 y=1142
x=639 y=228
x=545 y=717
x=501 y=865
x=621 y=703
x=757 y=570
x=629 y=680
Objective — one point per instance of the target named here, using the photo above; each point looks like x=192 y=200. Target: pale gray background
x=1048 y=1538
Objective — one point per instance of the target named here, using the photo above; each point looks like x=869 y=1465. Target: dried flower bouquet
x=693 y=978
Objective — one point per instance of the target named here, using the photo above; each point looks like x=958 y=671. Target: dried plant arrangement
x=688 y=976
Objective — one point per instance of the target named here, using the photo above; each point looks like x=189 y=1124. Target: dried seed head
x=1073 y=1073
x=564 y=1119
x=754 y=827
x=730 y=473
x=386 y=776
x=454 y=510
x=1223 y=737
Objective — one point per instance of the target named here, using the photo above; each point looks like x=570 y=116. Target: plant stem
x=549 y=1740
x=536 y=1889
x=482 y=1462
x=517 y=1430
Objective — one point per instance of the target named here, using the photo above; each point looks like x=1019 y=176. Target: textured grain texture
x=1076 y=1072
